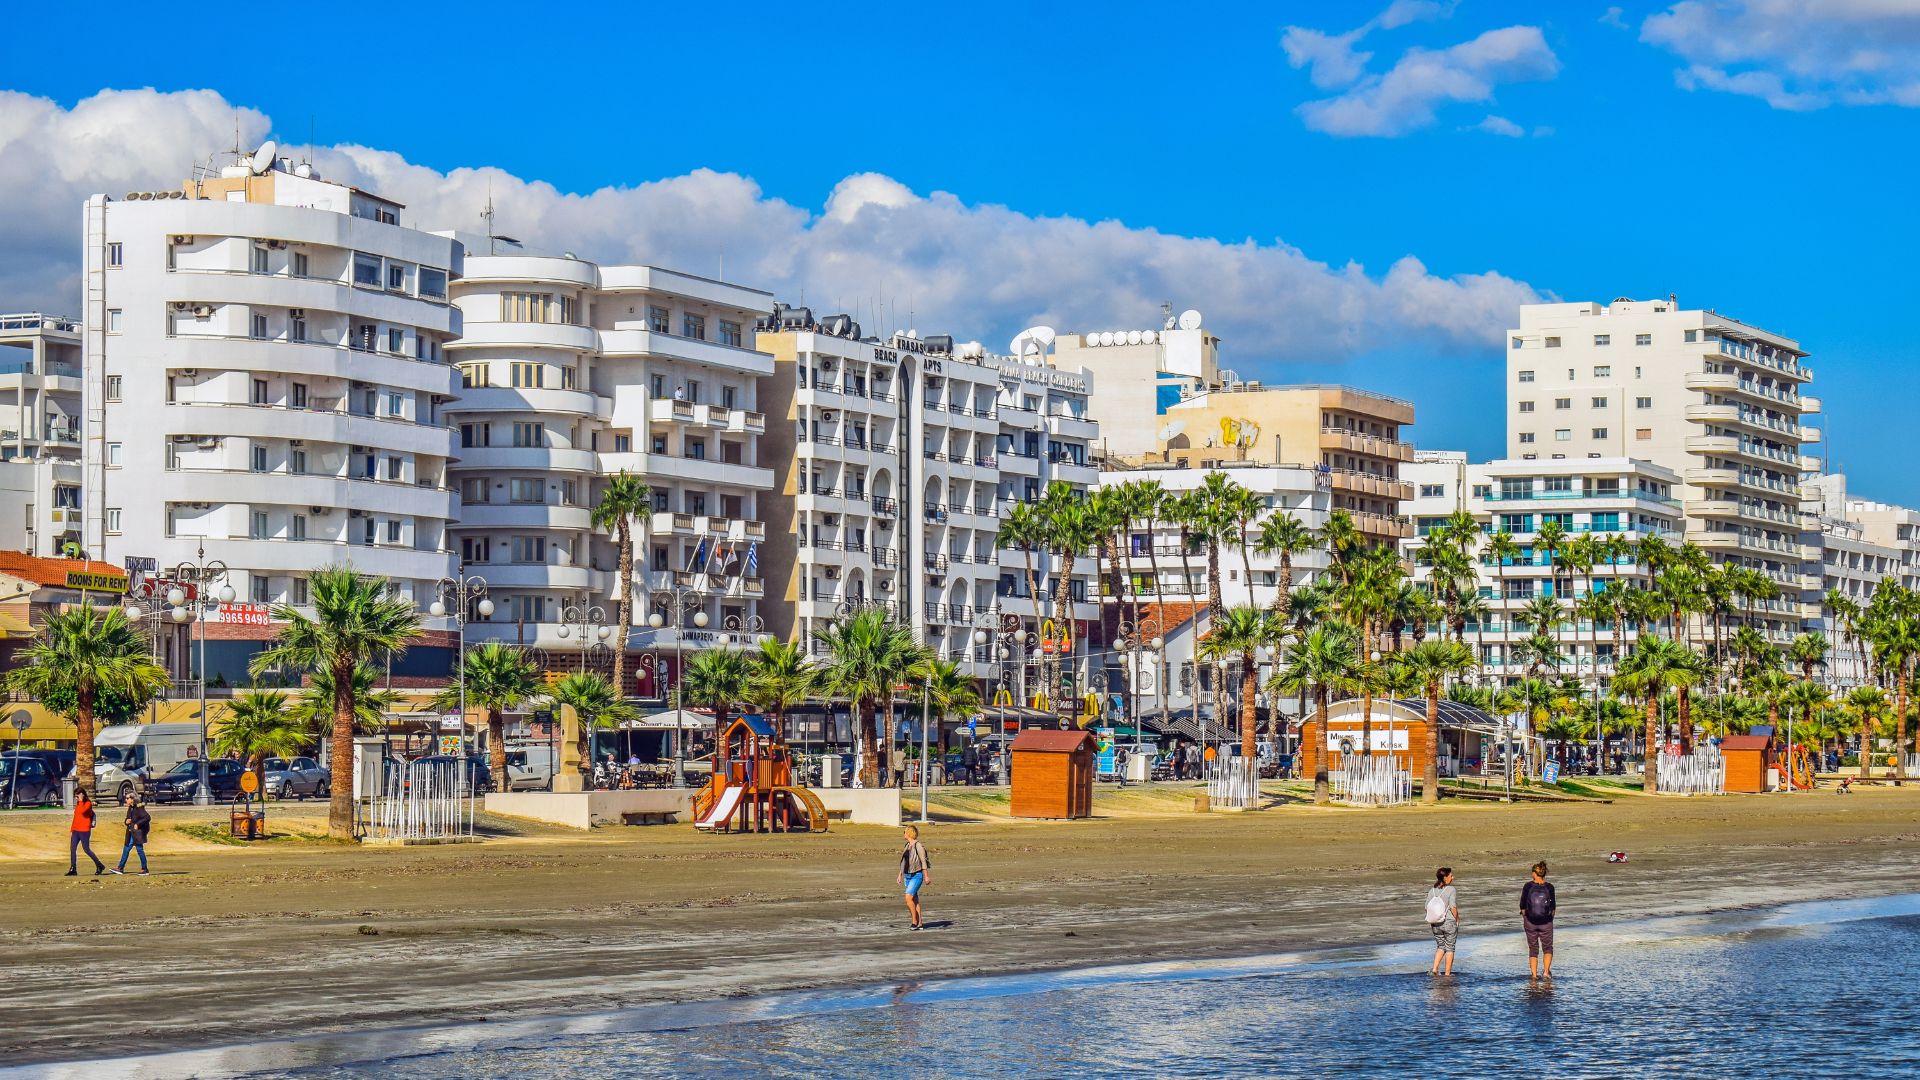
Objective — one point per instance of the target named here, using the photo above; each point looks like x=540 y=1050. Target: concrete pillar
x=568 y=778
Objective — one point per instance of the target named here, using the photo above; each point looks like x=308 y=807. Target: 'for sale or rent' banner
x=246 y=614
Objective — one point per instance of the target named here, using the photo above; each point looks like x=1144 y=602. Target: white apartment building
x=1862 y=545
x=266 y=378
x=1609 y=496
x=571 y=373
x=40 y=372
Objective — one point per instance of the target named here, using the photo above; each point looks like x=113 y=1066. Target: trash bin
x=830 y=770
x=66 y=792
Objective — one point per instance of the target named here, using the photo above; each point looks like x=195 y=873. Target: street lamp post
x=668 y=604
x=201 y=573
x=457 y=597
x=1136 y=636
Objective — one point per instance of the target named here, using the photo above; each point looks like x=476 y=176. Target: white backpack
x=1436 y=908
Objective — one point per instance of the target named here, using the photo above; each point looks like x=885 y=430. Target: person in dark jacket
x=1536 y=916
x=138 y=823
x=80 y=838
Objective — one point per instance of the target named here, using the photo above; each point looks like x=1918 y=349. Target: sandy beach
x=301 y=936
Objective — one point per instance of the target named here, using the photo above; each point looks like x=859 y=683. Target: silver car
x=297 y=778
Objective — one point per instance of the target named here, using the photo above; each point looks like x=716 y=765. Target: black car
x=59 y=762
x=296 y=778
x=27 y=781
x=180 y=783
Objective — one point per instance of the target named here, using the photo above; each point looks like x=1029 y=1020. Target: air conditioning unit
x=826 y=365
x=353 y=513
x=358 y=385
x=182 y=241
x=317 y=511
x=356 y=449
x=833 y=573
x=276 y=245
x=189 y=372
x=884 y=585
x=826 y=416
x=833 y=519
x=296 y=442
x=203 y=311
x=182 y=305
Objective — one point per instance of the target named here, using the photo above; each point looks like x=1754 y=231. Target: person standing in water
x=1443 y=917
x=1536 y=916
x=913 y=873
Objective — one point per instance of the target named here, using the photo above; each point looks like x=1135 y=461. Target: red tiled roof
x=53 y=572
x=1064 y=742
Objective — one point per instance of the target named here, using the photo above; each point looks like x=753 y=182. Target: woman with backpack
x=1536 y=917
x=1443 y=916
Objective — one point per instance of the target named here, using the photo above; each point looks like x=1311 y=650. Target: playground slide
x=723 y=808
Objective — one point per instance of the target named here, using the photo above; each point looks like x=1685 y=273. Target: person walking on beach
x=1536 y=915
x=913 y=873
x=1443 y=916
x=1120 y=764
x=138 y=822
x=81 y=837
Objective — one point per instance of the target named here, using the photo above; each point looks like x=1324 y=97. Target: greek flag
x=753 y=560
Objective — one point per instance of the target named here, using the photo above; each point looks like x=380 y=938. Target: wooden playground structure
x=753 y=789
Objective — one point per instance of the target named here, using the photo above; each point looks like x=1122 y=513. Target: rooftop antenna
x=312 y=120
x=723 y=262
x=487 y=214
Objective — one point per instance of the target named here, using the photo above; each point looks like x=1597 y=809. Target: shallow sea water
x=1812 y=989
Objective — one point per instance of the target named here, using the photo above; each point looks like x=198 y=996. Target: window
x=396 y=277
x=1526 y=376
x=1526 y=406
x=529 y=375
x=1643 y=434
x=113 y=255
x=1643 y=403
x=297 y=594
x=693 y=390
x=1603 y=371
x=527 y=490
x=372 y=468
x=472 y=435
x=623 y=444
x=660 y=387
x=113 y=388
x=299 y=264
x=730 y=333
x=569 y=493
x=528 y=307
x=659 y=444
x=433 y=283
x=1526 y=436
x=366 y=270
x=476 y=549
x=297 y=324
x=396 y=404
x=1599 y=403
x=394 y=468
x=660 y=558
x=1603 y=339
x=297 y=461
x=695 y=448
x=259 y=265
x=530 y=435
x=569 y=378
x=1433 y=491
x=1517 y=523
x=393 y=532
x=1556 y=483
x=1606 y=523
x=113 y=455
x=1565 y=521
x=1563 y=403
x=259 y=459
x=569 y=314
x=260 y=392
x=1519 y=343
x=660 y=320
x=367 y=534
x=475 y=489
x=259 y=525
x=113 y=512
x=693 y=326
x=1563 y=435
x=1644 y=339
x=530 y=608
x=1599 y=433
x=529 y=549
x=372 y=402
x=396 y=340
x=729 y=397
x=1482 y=491
x=473 y=375
x=258 y=586
x=1553 y=343
x=113 y=320
x=1693 y=335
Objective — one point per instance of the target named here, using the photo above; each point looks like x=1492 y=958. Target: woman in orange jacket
x=81 y=838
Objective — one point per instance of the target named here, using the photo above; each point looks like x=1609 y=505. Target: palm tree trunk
x=626 y=610
x=1064 y=592
x=869 y=738
x=83 y=777
x=1900 y=723
x=1649 y=752
x=1366 y=723
x=1249 y=699
x=1246 y=561
x=497 y=747
x=340 y=809
x=1123 y=588
x=1683 y=700
x=1430 y=776
x=1311 y=745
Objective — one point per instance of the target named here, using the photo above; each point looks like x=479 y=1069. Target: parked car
x=529 y=768
x=182 y=782
x=59 y=762
x=27 y=781
x=480 y=774
x=296 y=778
x=127 y=756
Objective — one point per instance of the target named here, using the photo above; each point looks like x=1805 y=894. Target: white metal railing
x=1370 y=780
x=1233 y=783
x=422 y=802
x=1703 y=772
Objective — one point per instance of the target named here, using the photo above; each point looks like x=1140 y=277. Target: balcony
x=1072 y=427
x=496 y=399
x=670 y=411
x=885 y=507
x=532 y=458
x=632 y=339
x=1381 y=525
x=699 y=470
x=1718 y=540
x=1366 y=483
x=670 y=524
x=1747 y=354
x=1729 y=383
x=1332 y=438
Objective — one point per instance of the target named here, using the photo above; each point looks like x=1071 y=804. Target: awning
x=13 y=626
x=683 y=719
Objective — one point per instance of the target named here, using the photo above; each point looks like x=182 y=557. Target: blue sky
x=1750 y=157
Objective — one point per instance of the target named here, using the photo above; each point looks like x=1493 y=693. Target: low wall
x=863 y=806
x=585 y=809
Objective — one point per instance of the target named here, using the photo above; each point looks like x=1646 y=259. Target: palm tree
x=1243 y=508
x=780 y=677
x=1846 y=620
x=1868 y=706
x=868 y=656
x=716 y=678
x=1896 y=647
x=1655 y=665
x=952 y=692
x=1024 y=528
x=1536 y=699
x=1071 y=528
x=595 y=704
x=1324 y=661
x=1809 y=650
x=88 y=651
x=1501 y=549
x=355 y=618
x=626 y=497
x=1434 y=662
x=1283 y=535
x=257 y=724
x=1242 y=633
x=1543 y=614
x=1344 y=540
x=313 y=709
x=1475 y=609
x=499 y=678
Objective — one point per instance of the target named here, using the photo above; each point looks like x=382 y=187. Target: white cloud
x=1332 y=58
x=1403 y=100
x=1500 y=125
x=977 y=271
x=1797 y=55
x=1612 y=18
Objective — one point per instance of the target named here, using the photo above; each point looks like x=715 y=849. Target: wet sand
x=225 y=944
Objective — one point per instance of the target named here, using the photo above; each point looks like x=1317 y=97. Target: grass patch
x=217 y=834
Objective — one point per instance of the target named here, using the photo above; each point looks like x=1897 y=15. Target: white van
x=126 y=755
x=529 y=767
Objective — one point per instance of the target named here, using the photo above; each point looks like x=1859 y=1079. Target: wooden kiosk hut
x=1748 y=759
x=1053 y=773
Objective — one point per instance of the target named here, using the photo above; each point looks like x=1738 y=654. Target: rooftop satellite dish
x=1189 y=320
x=1148 y=337
x=1106 y=337
x=1133 y=337
x=1169 y=324
x=1034 y=339
x=1171 y=429
x=263 y=157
